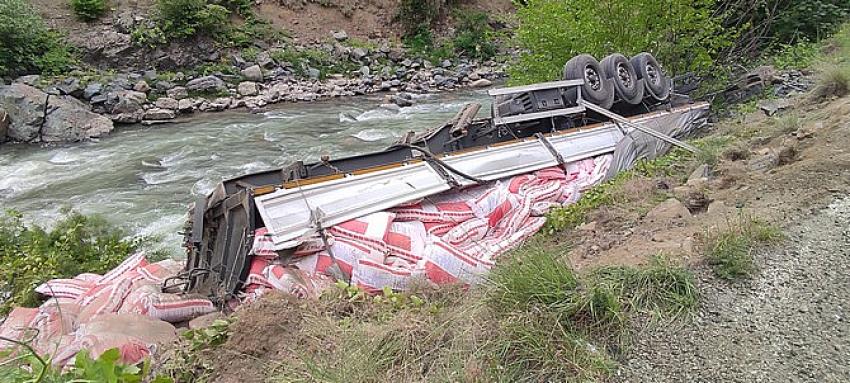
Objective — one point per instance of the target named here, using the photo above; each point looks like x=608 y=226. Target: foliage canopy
x=26 y=44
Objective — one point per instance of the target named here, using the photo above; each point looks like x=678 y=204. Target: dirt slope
x=789 y=324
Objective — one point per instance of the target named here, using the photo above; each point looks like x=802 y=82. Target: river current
x=143 y=177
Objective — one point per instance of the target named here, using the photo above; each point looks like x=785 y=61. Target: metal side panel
x=289 y=213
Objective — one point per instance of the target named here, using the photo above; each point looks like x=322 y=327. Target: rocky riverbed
x=70 y=108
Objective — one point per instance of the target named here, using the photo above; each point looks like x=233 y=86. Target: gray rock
x=238 y=61
x=186 y=105
x=70 y=86
x=365 y=71
x=474 y=76
x=36 y=117
x=265 y=60
x=164 y=86
x=668 y=210
x=396 y=54
x=313 y=73
x=166 y=103
x=403 y=99
x=771 y=107
x=340 y=35
x=142 y=86
x=92 y=89
x=407 y=63
x=127 y=118
x=480 y=83
x=30 y=80
x=253 y=73
x=158 y=114
x=385 y=85
x=358 y=53
x=247 y=88
x=206 y=84
x=446 y=64
x=177 y=93
x=126 y=101
x=98 y=99
x=149 y=75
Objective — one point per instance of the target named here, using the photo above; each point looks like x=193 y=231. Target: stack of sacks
x=122 y=309
x=454 y=237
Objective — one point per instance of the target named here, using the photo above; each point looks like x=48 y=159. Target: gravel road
x=788 y=324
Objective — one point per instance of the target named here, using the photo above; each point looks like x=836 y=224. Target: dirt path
x=788 y=324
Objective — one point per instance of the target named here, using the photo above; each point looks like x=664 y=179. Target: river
x=143 y=177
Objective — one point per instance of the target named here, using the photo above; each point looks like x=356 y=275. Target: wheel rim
x=592 y=78
x=624 y=75
x=652 y=74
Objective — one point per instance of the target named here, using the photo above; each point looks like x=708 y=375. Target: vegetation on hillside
x=30 y=367
x=26 y=44
x=702 y=36
x=89 y=10
x=31 y=254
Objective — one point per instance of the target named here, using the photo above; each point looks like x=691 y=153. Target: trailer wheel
x=597 y=88
x=657 y=85
x=622 y=74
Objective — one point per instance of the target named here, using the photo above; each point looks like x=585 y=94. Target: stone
x=142 y=86
x=205 y=320
x=253 y=73
x=167 y=103
x=92 y=89
x=396 y=54
x=771 y=107
x=185 y=105
x=126 y=101
x=358 y=53
x=206 y=84
x=70 y=86
x=481 y=83
x=98 y=99
x=164 y=86
x=699 y=177
x=763 y=162
x=127 y=118
x=149 y=75
x=365 y=71
x=177 y=93
x=248 y=88
x=340 y=35
x=35 y=116
x=313 y=73
x=669 y=210
x=402 y=101
x=385 y=85
x=158 y=114
x=407 y=63
x=264 y=60
x=446 y=64
x=474 y=76
x=30 y=80
x=237 y=61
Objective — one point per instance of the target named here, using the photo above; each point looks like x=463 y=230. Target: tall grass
x=729 y=250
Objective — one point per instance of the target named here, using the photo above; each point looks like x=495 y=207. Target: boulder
x=264 y=60
x=247 y=88
x=253 y=73
x=313 y=73
x=126 y=101
x=481 y=83
x=92 y=89
x=71 y=86
x=142 y=86
x=206 y=84
x=340 y=35
x=177 y=93
x=166 y=103
x=358 y=53
x=365 y=71
x=31 y=80
x=669 y=210
x=158 y=114
x=35 y=116
x=186 y=105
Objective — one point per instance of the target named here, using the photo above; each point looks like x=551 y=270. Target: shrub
x=684 y=35
x=26 y=44
x=89 y=10
x=414 y=15
x=30 y=254
x=105 y=368
x=185 y=18
x=474 y=36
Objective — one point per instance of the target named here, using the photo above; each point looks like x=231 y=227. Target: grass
x=535 y=319
x=729 y=251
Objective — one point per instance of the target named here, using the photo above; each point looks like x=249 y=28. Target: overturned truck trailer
x=618 y=106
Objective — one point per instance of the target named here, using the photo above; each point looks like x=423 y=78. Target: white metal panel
x=288 y=212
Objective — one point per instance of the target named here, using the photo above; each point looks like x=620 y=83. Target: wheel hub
x=591 y=77
x=625 y=77
x=652 y=74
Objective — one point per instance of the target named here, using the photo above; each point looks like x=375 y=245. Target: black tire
x=622 y=74
x=596 y=89
x=657 y=85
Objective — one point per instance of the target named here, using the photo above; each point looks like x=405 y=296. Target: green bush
x=474 y=36
x=106 y=368
x=414 y=15
x=89 y=10
x=684 y=35
x=185 y=18
x=26 y=44
x=31 y=255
